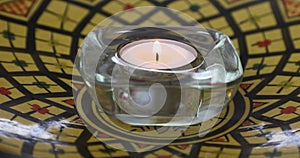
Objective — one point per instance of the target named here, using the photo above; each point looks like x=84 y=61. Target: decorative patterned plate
x=39 y=40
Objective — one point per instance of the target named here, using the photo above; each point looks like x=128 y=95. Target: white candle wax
x=158 y=54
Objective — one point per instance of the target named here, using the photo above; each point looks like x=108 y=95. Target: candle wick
x=157 y=57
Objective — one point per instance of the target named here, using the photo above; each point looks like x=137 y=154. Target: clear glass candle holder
x=140 y=94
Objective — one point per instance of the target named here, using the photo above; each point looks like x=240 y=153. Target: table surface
x=38 y=117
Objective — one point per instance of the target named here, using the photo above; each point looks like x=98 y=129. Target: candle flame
x=156 y=50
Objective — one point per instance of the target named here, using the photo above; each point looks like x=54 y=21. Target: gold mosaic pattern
x=8 y=91
x=289 y=10
x=220 y=24
x=38 y=42
x=294 y=35
x=64 y=16
x=194 y=8
x=17 y=62
x=255 y=17
x=281 y=85
x=233 y=3
x=12 y=35
x=39 y=84
x=22 y=10
x=265 y=42
x=52 y=42
x=260 y=66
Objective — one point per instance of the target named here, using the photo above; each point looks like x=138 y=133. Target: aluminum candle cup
x=158 y=54
x=160 y=76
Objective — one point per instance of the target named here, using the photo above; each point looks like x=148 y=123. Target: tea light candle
x=158 y=53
